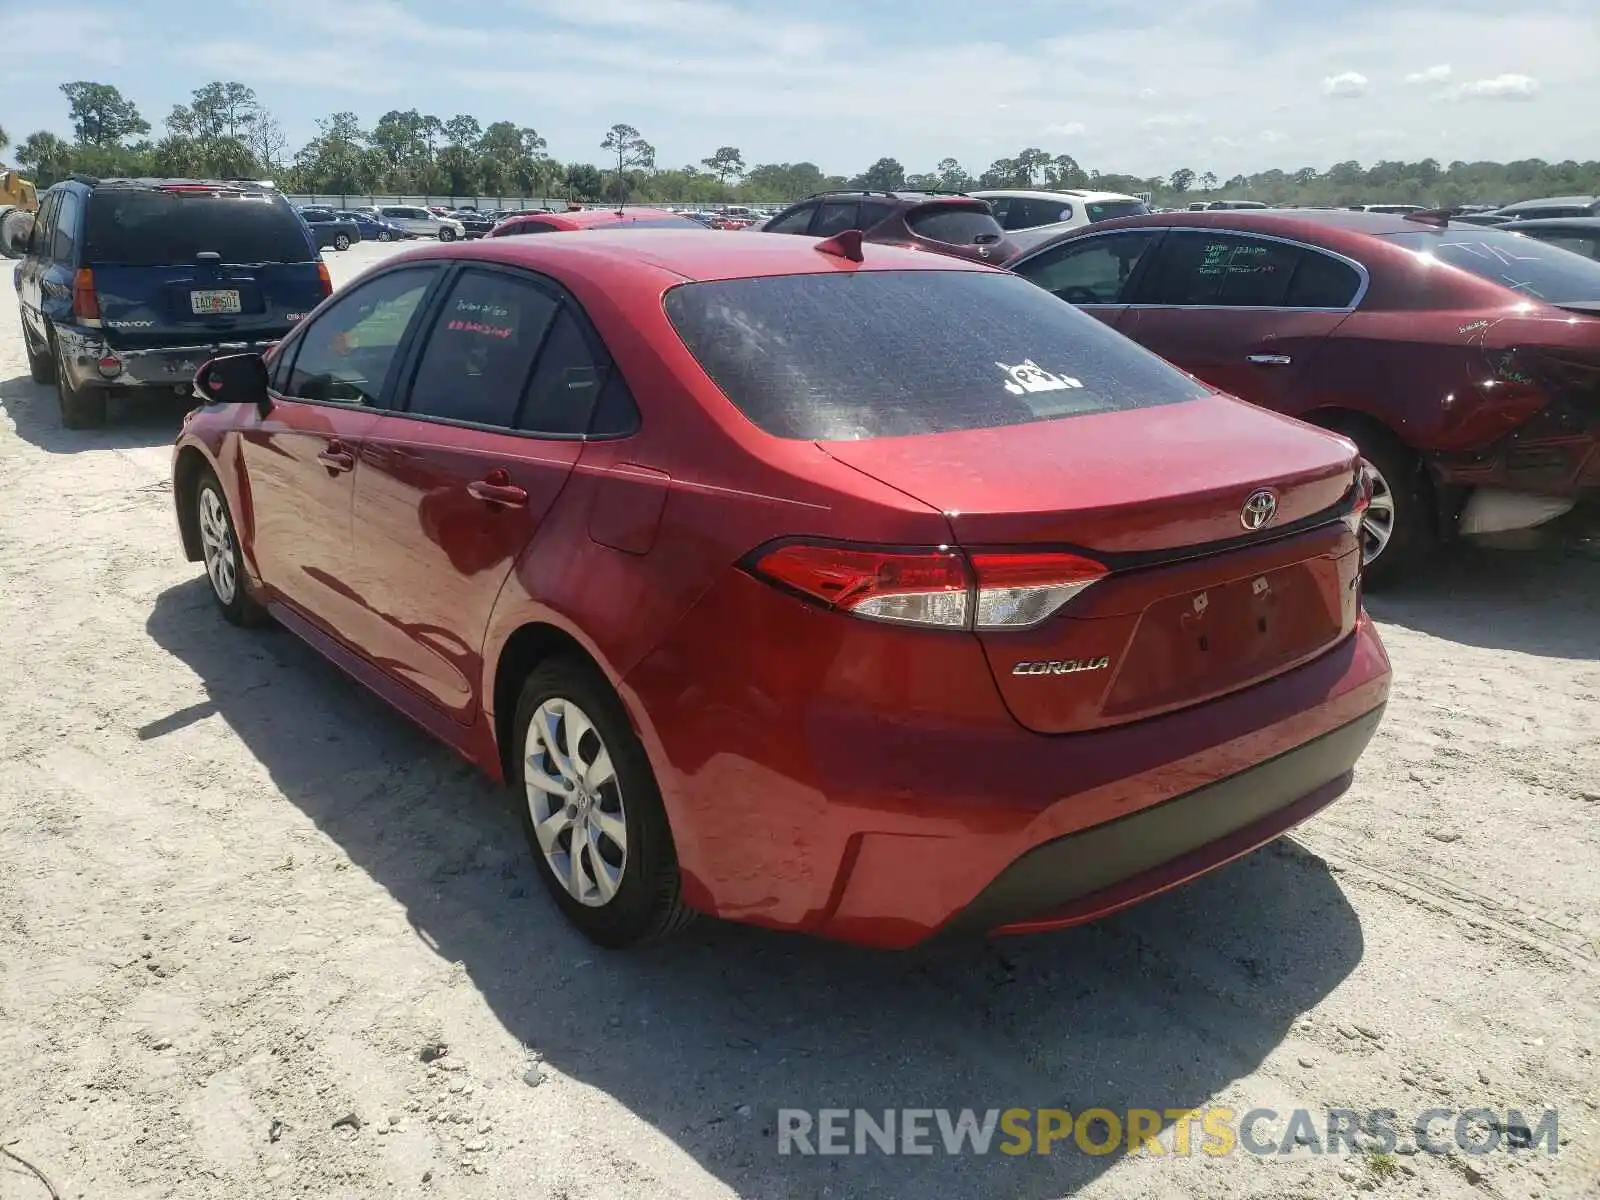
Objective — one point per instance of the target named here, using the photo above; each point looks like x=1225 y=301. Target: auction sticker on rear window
x=1028 y=377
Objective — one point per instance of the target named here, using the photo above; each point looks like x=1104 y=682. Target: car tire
x=224 y=562
x=447 y=235
x=624 y=887
x=383 y=235
x=341 y=241
x=81 y=408
x=41 y=366
x=1399 y=534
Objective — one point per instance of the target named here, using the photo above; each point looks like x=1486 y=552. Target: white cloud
x=1438 y=74
x=1070 y=129
x=1173 y=121
x=1346 y=85
x=1500 y=87
x=1149 y=93
x=1271 y=137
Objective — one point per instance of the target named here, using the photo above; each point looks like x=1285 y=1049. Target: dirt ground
x=239 y=898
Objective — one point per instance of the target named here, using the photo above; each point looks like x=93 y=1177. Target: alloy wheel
x=1377 y=526
x=216 y=543
x=575 y=801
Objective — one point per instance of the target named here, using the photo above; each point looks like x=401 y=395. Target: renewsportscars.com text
x=1213 y=1131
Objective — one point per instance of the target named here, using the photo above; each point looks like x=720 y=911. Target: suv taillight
x=85 y=304
x=936 y=586
x=327 y=280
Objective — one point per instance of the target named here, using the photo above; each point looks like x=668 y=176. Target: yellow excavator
x=19 y=200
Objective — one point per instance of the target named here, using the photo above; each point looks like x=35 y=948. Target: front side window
x=347 y=354
x=1091 y=271
x=1032 y=212
x=521 y=227
x=44 y=225
x=872 y=354
x=479 y=354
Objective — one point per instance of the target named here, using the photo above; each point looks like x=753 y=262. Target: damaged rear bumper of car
x=93 y=362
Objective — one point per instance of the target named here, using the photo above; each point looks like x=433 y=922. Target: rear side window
x=796 y=222
x=66 y=239
x=954 y=224
x=478 y=358
x=1110 y=210
x=894 y=353
x=836 y=218
x=522 y=227
x=1031 y=212
x=1321 y=281
x=154 y=228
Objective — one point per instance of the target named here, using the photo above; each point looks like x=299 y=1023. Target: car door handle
x=1269 y=360
x=504 y=495
x=337 y=458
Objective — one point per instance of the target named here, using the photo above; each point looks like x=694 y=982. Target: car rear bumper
x=146 y=366
x=881 y=801
x=1097 y=871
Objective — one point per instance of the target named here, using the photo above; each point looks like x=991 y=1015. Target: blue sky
x=1144 y=87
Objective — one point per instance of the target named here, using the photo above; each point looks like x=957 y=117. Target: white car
x=421 y=222
x=1033 y=217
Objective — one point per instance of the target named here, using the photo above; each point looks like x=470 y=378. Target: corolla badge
x=1064 y=666
x=1259 y=510
x=1028 y=376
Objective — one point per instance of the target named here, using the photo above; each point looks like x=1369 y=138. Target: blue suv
x=134 y=283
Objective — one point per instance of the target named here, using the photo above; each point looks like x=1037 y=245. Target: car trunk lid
x=1195 y=603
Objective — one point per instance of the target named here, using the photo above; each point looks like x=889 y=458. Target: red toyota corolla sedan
x=872 y=594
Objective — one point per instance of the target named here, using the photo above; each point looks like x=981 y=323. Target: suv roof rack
x=91 y=180
x=1439 y=217
x=900 y=194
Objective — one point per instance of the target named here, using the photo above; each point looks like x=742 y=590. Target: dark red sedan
x=1464 y=361
x=860 y=591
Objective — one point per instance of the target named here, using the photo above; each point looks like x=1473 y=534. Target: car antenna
x=844 y=244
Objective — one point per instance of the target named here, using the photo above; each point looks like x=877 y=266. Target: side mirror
x=234 y=379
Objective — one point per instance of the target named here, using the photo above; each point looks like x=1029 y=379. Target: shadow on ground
x=1160 y=1007
x=146 y=418
x=1544 y=601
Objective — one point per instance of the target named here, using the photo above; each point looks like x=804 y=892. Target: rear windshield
x=1109 y=210
x=843 y=357
x=955 y=224
x=137 y=228
x=1522 y=264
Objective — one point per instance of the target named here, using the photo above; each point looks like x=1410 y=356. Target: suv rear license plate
x=214 y=302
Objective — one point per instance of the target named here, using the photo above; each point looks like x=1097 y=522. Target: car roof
x=596 y=218
x=1335 y=228
x=1576 y=224
x=1032 y=194
x=684 y=255
x=1551 y=202
x=155 y=183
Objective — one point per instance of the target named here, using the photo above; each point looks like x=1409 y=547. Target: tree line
x=225 y=131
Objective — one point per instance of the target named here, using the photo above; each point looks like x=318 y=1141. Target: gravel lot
x=238 y=898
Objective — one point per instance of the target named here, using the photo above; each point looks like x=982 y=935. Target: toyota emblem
x=1259 y=510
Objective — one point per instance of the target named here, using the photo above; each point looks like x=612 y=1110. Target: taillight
x=1018 y=590
x=327 y=280
x=85 y=304
x=937 y=587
